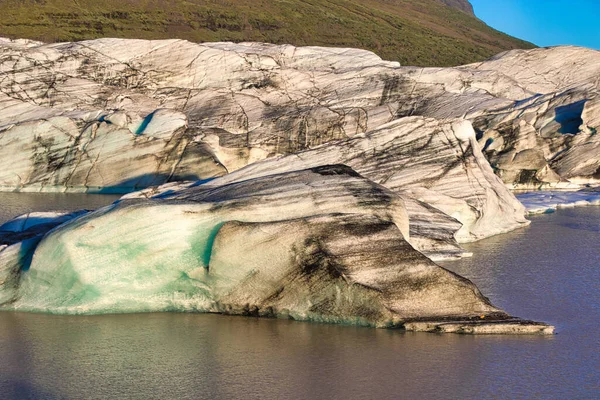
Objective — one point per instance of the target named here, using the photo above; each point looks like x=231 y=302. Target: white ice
x=548 y=201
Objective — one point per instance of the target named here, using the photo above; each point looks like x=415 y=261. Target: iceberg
x=540 y=202
x=322 y=244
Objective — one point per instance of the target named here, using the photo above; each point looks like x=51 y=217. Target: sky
x=544 y=22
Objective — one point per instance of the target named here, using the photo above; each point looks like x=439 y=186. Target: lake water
x=549 y=271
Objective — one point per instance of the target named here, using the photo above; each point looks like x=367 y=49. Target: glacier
x=120 y=115
x=259 y=171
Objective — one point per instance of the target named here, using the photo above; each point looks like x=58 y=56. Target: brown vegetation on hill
x=414 y=32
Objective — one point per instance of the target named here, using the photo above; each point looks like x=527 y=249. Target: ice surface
x=548 y=201
x=321 y=244
x=165 y=256
x=29 y=220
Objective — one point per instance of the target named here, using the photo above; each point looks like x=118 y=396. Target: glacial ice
x=190 y=111
x=321 y=244
x=18 y=240
x=164 y=256
x=134 y=261
x=30 y=220
x=548 y=201
x=252 y=117
x=444 y=169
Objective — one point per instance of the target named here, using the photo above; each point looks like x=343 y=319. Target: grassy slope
x=414 y=32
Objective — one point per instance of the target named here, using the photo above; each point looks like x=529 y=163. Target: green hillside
x=414 y=32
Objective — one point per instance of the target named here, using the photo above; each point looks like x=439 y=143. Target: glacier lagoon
x=547 y=271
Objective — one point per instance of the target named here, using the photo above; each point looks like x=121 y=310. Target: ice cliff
x=120 y=114
x=117 y=115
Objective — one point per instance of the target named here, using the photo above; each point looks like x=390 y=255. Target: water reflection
x=15 y=204
x=218 y=357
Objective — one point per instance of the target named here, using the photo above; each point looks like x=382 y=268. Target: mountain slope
x=463 y=5
x=414 y=32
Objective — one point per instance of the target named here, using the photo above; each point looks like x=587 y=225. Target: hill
x=414 y=32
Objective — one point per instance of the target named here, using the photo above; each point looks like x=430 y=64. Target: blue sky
x=544 y=22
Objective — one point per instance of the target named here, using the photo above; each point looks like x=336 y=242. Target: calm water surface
x=549 y=271
x=15 y=204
